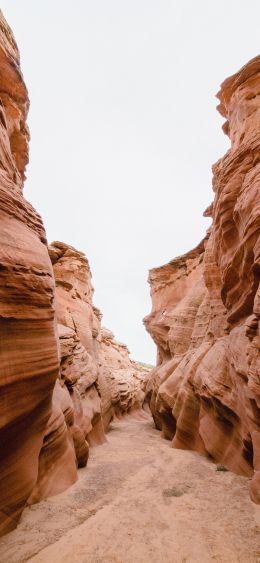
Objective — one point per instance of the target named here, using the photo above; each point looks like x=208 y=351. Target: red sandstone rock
x=28 y=345
x=79 y=326
x=57 y=463
x=96 y=369
x=125 y=379
x=205 y=391
x=46 y=427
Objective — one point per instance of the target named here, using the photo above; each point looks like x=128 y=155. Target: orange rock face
x=57 y=394
x=205 y=391
x=125 y=379
x=79 y=327
x=28 y=344
x=96 y=370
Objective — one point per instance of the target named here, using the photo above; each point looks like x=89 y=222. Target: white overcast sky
x=124 y=131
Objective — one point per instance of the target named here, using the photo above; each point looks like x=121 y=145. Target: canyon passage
x=103 y=458
x=139 y=500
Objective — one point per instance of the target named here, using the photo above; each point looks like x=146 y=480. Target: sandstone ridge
x=205 y=391
x=28 y=346
x=62 y=378
x=96 y=371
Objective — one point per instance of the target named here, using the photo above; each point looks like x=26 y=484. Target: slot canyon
x=103 y=458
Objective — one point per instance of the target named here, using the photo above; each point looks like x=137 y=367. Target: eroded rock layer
x=205 y=391
x=28 y=345
x=62 y=377
x=125 y=378
x=96 y=372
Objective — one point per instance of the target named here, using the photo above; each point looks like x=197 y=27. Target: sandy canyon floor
x=140 y=501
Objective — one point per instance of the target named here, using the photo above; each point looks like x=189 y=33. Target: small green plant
x=221 y=467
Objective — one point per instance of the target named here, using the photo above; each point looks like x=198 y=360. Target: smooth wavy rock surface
x=56 y=396
x=96 y=370
x=205 y=391
x=28 y=344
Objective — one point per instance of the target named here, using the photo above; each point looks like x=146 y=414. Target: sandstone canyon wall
x=63 y=377
x=28 y=347
x=97 y=374
x=205 y=391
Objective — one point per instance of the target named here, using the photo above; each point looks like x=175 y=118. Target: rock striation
x=96 y=371
x=28 y=344
x=125 y=378
x=78 y=328
x=63 y=378
x=205 y=390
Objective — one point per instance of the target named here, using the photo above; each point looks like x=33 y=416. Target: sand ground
x=140 y=501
